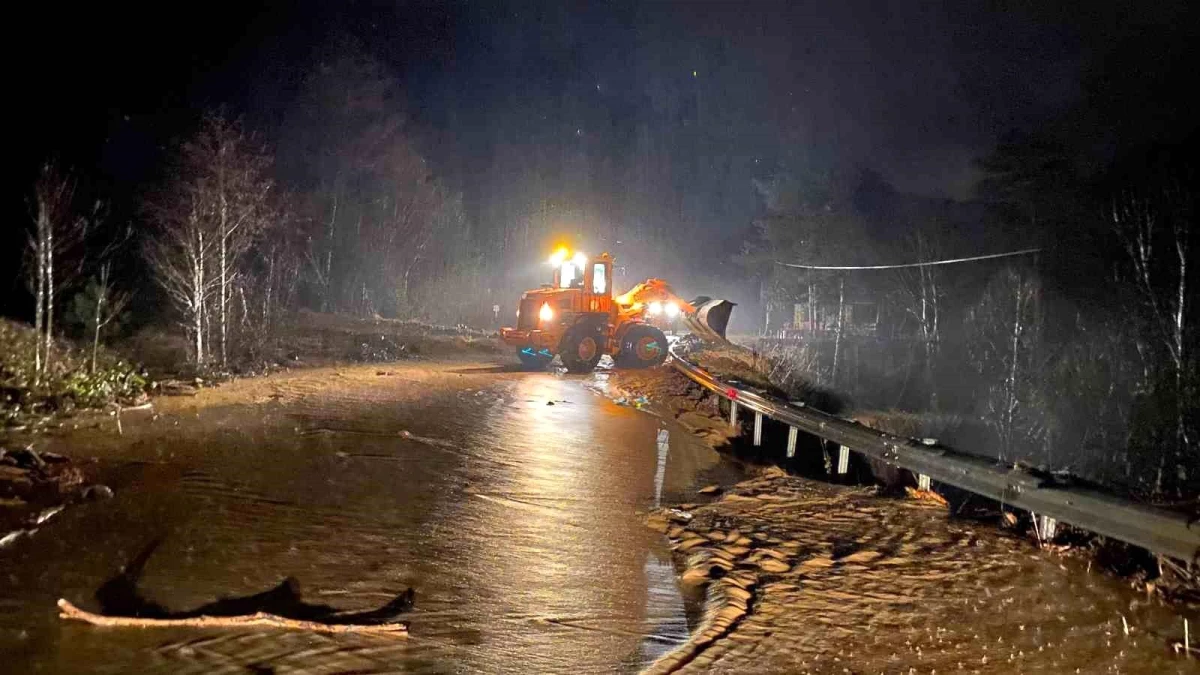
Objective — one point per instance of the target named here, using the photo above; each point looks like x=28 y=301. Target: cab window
x=566 y=275
x=599 y=281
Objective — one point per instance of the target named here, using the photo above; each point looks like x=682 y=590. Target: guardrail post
x=1046 y=526
x=791 y=448
x=843 y=459
x=758 y=417
x=733 y=414
x=924 y=483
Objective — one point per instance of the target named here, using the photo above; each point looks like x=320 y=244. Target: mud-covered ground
x=803 y=575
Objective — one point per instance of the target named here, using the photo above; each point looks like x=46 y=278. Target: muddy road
x=511 y=502
x=515 y=505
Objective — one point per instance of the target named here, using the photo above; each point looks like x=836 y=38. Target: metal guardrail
x=1162 y=532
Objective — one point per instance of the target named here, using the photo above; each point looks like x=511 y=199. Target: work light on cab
x=546 y=313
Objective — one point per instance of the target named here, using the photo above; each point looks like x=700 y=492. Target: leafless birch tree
x=109 y=304
x=1154 y=227
x=1005 y=345
x=922 y=291
x=208 y=218
x=54 y=258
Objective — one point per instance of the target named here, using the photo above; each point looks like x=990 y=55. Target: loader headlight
x=546 y=313
x=655 y=308
x=672 y=310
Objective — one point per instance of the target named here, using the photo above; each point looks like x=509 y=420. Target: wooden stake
x=71 y=612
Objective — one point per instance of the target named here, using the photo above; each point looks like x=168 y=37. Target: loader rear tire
x=642 y=346
x=581 y=350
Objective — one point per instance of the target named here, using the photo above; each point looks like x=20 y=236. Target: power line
x=952 y=261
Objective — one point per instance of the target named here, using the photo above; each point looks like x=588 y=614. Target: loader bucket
x=711 y=318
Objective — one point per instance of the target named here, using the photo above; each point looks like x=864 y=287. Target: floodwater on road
x=511 y=502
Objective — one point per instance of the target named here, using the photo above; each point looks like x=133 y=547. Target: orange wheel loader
x=577 y=318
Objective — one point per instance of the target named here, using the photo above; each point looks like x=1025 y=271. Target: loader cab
x=591 y=276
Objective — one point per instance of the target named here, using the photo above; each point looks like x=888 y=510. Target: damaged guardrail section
x=1162 y=532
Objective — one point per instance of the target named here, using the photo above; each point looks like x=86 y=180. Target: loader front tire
x=642 y=346
x=581 y=350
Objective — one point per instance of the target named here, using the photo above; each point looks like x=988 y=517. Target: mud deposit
x=513 y=504
x=808 y=577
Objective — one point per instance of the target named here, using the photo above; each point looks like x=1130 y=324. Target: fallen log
x=71 y=612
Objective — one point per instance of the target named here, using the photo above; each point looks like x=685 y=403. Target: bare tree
x=1005 y=346
x=923 y=292
x=54 y=247
x=109 y=304
x=179 y=252
x=838 y=328
x=212 y=213
x=1154 y=227
x=233 y=169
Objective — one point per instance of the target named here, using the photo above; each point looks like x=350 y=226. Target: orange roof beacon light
x=577 y=319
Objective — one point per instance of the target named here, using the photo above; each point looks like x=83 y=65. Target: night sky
x=913 y=90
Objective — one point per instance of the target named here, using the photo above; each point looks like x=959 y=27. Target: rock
x=730 y=613
x=741 y=579
x=773 y=553
x=689 y=544
x=862 y=556
x=679 y=515
x=817 y=562
x=97 y=493
x=743 y=541
x=738 y=592
x=723 y=563
x=733 y=536
x=709 y=489
x=736 y=551
x=658 y=522
x=694 y=577
x=676 y=532
x=723 y=554
x=773 y=566
x=716 y=535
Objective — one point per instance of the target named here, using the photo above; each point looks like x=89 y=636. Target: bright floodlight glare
x=656 y=307
x=579 y=259
x=558 y=257
x=672 y=310
x=545 y=313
